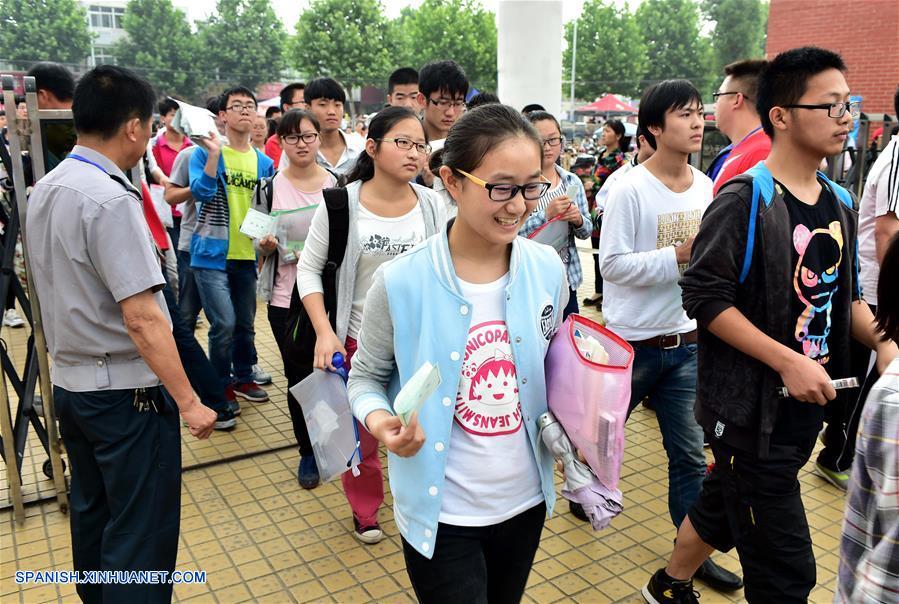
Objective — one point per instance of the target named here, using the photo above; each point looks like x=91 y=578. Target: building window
x=106 y=17
x=103 y=56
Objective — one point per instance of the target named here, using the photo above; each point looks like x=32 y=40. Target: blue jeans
x=200 y=372
x=188 y=294
x=668 y=378
x=229 y=299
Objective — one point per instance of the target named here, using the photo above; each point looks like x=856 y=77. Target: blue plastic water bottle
x=339 y=364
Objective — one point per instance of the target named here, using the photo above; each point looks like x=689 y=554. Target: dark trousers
x=199 y=370
x=572 y=306
x=477 y=564
x=594 y=242
x=844 y=412
x=125 y=499
x=277 y=318
x=188 y=295
x=754 y=504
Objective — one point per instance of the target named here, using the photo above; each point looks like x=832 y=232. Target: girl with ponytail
x=388 y=215
x=470 y=484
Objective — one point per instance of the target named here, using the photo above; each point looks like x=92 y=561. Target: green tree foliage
x=351 y=42
x=739 y=29
x=461 y=30
x=161 y=46
x=243 y=42
x=675 y=46
x=43 y=30
x=611 y=54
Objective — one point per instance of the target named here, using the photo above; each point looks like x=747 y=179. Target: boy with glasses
x=223 y=261
x=648 y=228
x=442 y=87
x=738 y=120
x=773 y=284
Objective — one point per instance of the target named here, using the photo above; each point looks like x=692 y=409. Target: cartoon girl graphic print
x=487 y=403
x=815 y=282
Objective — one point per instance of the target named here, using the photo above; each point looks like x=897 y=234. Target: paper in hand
x=257 y=225
x=414 y=393
x=193 y=122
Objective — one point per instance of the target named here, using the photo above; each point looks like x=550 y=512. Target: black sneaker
x=307 y=472
x=368 y=535
x=662 y=589
x=225 y=420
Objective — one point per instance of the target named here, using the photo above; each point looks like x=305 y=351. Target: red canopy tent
x=608 y=105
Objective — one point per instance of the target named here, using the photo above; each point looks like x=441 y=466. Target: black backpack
x=299 y=341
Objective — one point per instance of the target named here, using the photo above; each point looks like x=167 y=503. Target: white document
x=257 y=224
x=193 y=122
x=414 y=393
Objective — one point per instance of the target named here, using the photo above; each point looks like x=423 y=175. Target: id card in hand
x=258 y=224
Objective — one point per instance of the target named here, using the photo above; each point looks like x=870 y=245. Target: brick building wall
x=864 y=32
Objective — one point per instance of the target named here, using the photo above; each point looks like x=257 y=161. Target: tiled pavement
x=261 y=538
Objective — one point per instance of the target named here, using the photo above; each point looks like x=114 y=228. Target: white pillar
x=529 y=53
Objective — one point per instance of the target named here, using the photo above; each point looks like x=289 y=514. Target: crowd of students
x=728 y=286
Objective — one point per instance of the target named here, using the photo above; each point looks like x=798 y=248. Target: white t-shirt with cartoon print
x=491 y=473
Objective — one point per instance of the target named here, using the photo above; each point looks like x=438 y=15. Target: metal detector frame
x=48 y=433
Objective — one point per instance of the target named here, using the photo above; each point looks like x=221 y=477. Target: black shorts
x=755 y=505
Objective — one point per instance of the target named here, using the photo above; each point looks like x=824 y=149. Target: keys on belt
x=144 y=401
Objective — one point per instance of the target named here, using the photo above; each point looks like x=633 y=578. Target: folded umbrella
x=581 y=484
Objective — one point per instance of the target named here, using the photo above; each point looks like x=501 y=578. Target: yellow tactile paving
x=260 y=538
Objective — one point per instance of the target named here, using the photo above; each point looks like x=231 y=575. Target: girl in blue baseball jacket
x=471 y=482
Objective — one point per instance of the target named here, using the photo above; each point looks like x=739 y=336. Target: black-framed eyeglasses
x=306 y=137
x=715 y=95
x=834 y=110
x=445 y=104
x=241 y=107
x=405 y=144
x=504 y=192
x=554 y=141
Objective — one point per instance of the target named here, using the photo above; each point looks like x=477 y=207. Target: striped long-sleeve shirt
x=538 y=218
x=869 y=548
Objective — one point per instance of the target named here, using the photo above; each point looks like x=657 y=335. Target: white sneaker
x=12 y=319
x=261 y=376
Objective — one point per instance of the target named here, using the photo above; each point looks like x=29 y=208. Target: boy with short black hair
x=402 y=89
x=325 y=98
x=648 y=226
x=55 y=85
x=222 y=259
x=773 y=284
x=292 y=96
x=442 y=87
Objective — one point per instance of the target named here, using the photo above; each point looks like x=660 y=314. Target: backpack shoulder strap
x=337 y=203
x=338 y=177
x=266 y=191
x=762 y=192
x=840 y=192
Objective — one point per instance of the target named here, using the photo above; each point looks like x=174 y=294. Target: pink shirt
x=165 y=156
x=288 y=197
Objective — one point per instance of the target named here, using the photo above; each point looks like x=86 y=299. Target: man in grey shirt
x=98 y=275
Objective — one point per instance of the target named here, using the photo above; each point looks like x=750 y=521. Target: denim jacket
x=415 y=312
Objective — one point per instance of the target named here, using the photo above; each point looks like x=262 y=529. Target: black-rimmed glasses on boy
x=554 y=141
x=241 y=107
x=834 y=110
x=445 y=104
x=715 y=95
x=405 y=144
x=306 y=137
x=504 y=192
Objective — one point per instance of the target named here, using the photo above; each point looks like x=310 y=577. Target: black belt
x=669 y=341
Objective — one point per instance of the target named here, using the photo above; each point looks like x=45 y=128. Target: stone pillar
x=529 y=53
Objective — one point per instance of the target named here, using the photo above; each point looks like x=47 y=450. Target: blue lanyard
x=87 y=161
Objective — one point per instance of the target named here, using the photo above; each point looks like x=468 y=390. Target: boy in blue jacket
x=223 y=175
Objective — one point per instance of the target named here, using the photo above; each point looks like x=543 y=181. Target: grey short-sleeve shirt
x=180 y=177
x=90 y=248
